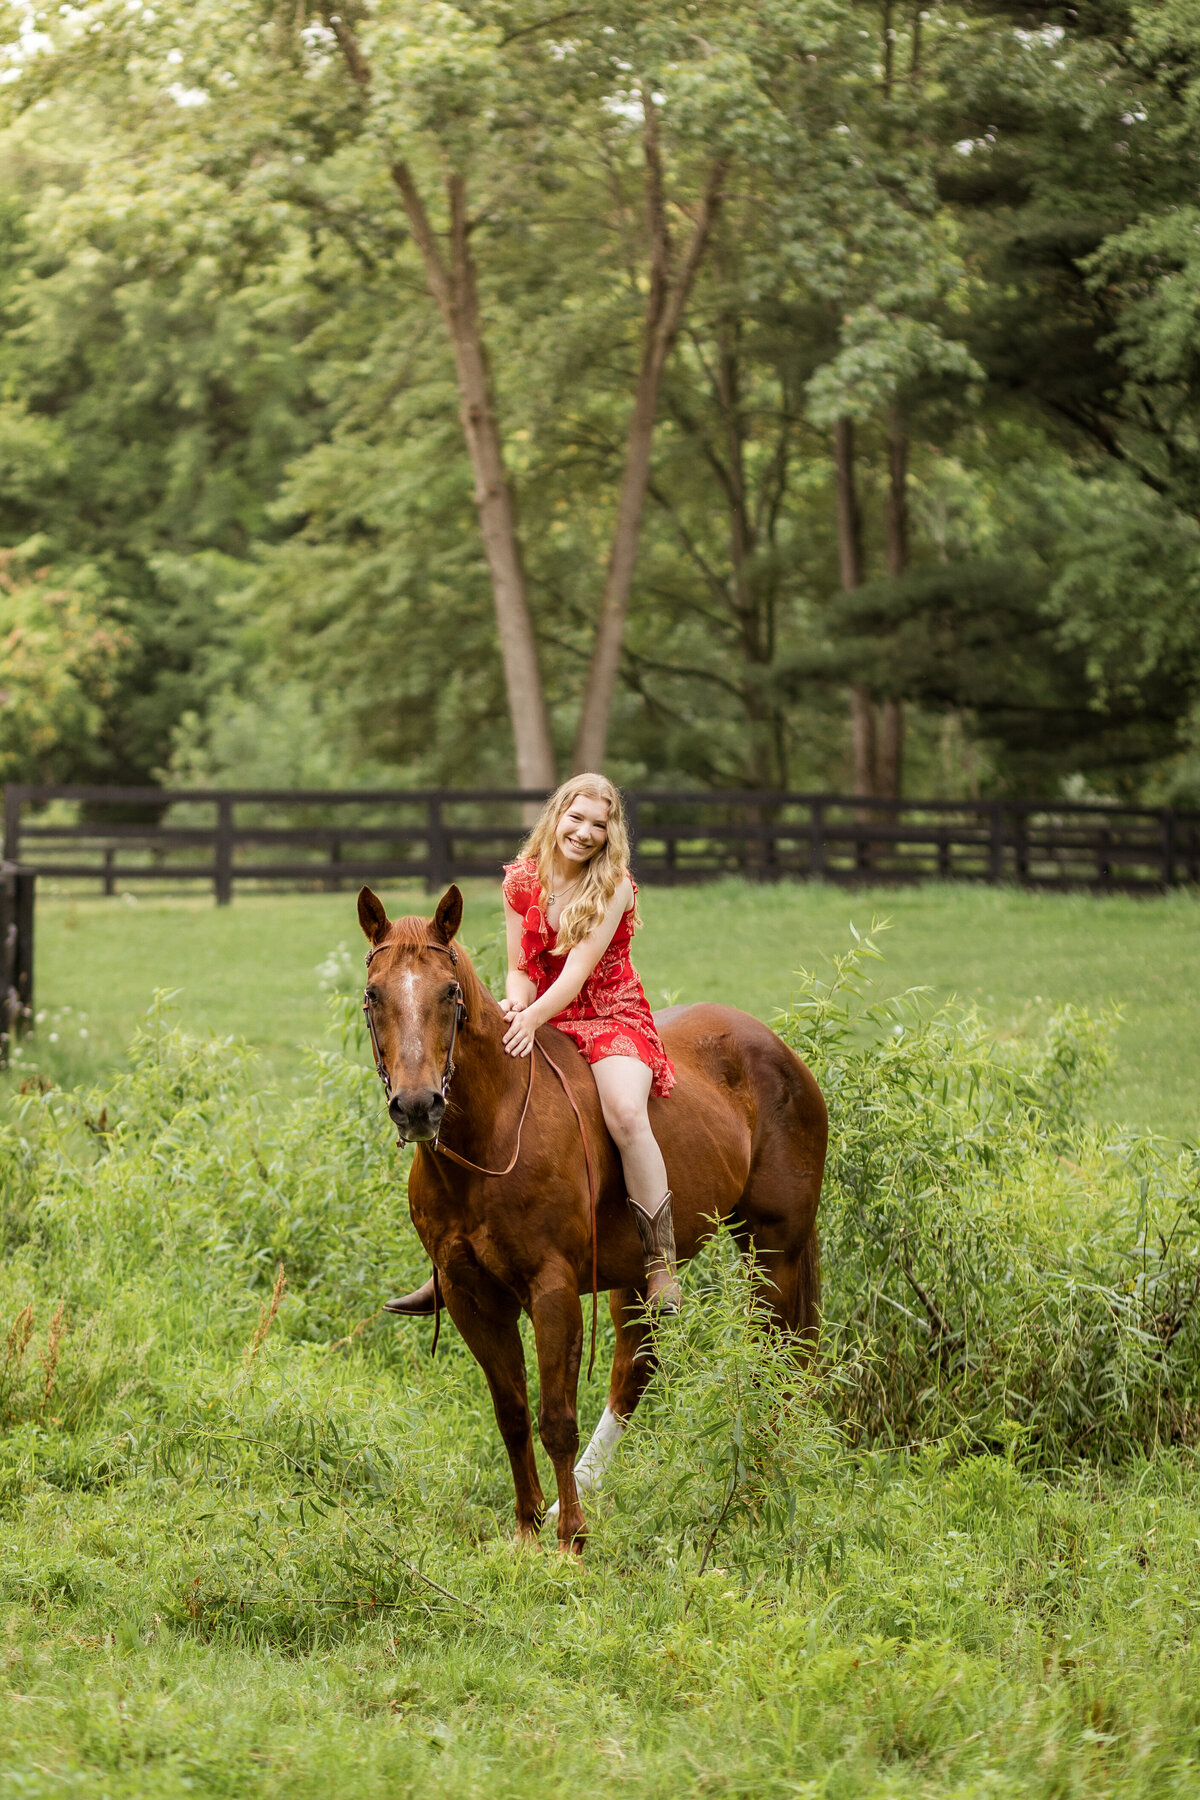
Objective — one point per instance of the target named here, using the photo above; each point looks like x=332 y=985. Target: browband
x=429 y=944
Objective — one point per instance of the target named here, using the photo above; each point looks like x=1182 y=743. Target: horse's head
x=417 y=982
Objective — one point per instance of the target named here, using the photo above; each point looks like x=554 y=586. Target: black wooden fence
x=121 y=837
x=16 y=954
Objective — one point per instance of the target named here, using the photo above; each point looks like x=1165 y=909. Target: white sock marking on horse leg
x=596 y=1458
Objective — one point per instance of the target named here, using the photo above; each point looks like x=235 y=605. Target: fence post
x=16 y=955
x=1021 y=842
x=996 y=843
x=816 y=842
x=23 y=973
x=12 y=824
x=223 y=852
x=438 y=876
x=1168 y=846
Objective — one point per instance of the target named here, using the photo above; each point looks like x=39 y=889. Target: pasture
x=255 y=1542
x=251 y=969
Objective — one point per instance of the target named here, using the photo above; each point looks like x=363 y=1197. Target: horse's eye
x=372 y=995
x=452 y=991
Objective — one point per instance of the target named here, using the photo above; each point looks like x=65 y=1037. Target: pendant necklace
x=570 y=889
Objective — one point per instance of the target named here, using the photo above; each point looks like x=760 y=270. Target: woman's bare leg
x=624 y=1083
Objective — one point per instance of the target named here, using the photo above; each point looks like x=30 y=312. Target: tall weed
x=995 y=1263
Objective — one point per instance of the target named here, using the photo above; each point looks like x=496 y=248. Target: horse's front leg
x=490 y=1325
x=558 y=1331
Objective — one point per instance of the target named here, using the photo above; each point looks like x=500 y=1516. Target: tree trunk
x=497 y=515
x=850 y=559
x=592 y=737
x=890 y=760
x=665 y=306
x=453 y=287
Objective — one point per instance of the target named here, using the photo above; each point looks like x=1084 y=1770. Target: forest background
x=800 y=393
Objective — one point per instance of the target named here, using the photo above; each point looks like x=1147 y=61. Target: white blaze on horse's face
x=411 y=1043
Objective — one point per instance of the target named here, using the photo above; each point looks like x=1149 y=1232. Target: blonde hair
x=602 y=874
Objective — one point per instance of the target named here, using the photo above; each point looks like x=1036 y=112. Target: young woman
x=570 y=908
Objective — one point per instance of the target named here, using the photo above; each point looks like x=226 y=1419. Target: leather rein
x=460 y=1014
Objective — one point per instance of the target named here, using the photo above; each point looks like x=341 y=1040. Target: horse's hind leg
x=789 y=1280
x=779 y=1211
x=635 y=1360
x=493 y=1337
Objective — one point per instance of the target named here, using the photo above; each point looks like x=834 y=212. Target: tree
x=60 y=646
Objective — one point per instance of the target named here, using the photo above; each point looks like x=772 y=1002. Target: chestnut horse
x=743 y=1135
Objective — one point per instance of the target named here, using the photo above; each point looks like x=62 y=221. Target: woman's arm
x=577 y=966
x=519 y=990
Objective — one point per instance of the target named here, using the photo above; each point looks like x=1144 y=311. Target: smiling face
x=581 y=830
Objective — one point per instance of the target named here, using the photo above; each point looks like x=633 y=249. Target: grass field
x=248 y=1550
x=250 y=969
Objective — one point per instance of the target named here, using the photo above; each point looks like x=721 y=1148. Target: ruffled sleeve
x=519 y=880
x=523 y=893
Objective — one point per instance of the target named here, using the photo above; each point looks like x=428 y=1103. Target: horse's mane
x=414 y=933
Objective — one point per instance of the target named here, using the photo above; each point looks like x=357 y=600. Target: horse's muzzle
x=417 y=1113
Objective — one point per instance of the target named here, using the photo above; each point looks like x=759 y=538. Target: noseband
x=460 y=1014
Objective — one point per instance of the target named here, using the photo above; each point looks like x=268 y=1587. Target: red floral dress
x=610 y=1015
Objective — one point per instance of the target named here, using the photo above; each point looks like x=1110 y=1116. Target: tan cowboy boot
x=657 y=1232
x=417 y=1305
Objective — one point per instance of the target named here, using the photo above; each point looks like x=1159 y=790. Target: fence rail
x=222 y=837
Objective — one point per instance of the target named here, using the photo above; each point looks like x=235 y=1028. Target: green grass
x=250 y=969
x=216 y=1569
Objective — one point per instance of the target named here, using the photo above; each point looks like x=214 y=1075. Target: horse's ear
x=372 y=916
x=448 y=917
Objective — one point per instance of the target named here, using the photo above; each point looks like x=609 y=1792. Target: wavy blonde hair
x=602 y=876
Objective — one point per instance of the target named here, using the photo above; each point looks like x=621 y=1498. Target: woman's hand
x=519 y=992
x=522 y=1029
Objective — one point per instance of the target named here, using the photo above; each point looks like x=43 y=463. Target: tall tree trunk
x=850 y=559
x=452 y=285
x=890 y=761
x=665 y=305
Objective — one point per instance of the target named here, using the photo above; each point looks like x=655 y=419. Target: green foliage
x=228 y=397
x=61 y=644
x=996 y=1268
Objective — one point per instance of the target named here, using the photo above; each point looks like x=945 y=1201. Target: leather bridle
x=460 y=1014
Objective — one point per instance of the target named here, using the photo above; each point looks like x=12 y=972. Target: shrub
x=994 y=1263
